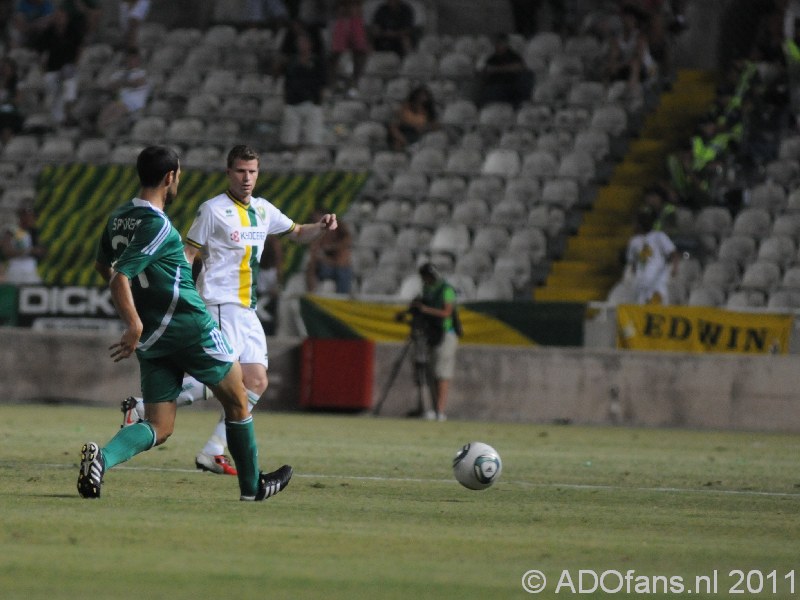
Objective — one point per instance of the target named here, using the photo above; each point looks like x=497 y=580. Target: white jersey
x=649 y=254
x=231 y=236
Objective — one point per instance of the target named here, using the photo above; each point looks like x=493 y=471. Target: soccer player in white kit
x=653 y=258
x=228 y=237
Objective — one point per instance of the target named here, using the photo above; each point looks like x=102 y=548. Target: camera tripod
x=417 y=344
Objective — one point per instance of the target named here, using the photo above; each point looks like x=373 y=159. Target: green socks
x=244 y=451
x=128 y=442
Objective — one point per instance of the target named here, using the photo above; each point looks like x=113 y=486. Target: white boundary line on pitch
x=569 y=486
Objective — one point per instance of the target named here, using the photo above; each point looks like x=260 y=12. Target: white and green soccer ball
x=477 y=466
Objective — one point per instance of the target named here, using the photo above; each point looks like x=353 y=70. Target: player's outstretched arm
x=309 y=232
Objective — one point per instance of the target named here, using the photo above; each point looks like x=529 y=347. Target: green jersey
x=140 y=242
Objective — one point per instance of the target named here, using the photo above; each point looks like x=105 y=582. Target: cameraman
x=438 y=306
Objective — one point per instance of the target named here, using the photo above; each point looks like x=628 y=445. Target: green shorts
x=207 y=361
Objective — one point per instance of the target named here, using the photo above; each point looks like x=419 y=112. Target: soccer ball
x=477 y=466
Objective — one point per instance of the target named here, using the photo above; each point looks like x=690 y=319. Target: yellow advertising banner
x=702 y=329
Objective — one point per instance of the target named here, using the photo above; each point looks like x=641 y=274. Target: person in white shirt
x=653 y=259
x=227 y=237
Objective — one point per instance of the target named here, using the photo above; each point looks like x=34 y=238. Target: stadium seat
x=353 y=158
x=523 y=189
x=148 y=130
x=518 y=139
x=791 y=279
x=545 y=43
x=203 y=106
x=396 y=258
x=753 y=222
x=446 y=188
x=451 y=238
x=497 y=116
x=509 y=213
x=537 y=117
x=530 y=242
x=427 y=160
x=787 y=224
x=376 y=236
x=539 y=164
x=761 y=276
x=720 y=274
x=768 y=195
x=380 y=282
x=492 y=239
x=745 y=299
x=494 y=288
x=460 y=114
x=208 y=158
x=371 y=134
x=586 y=94
x=784 y=171
x=382 y=64
x=56 y=150
x=93 y=150
x=387 y=163
x=456 y=66
x=577 y=165
x=784 y=299
x=313 y=159
x=471 y=212
x=419 y=65
x=185 y=131
x=706 y=295
x=463 y=161
x=503 y=162
x=393 y=211
x=737 y=249
x=778 y=249
x=563 y=193
x=204 y=59
x=474 y=263
x=611 y=118
x=429 y=214
x=409 y=185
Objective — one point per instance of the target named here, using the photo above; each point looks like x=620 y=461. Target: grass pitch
x=374 y=512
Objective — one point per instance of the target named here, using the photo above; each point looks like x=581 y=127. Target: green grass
x=373 y=510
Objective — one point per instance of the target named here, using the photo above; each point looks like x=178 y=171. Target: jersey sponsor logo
x=248 y=236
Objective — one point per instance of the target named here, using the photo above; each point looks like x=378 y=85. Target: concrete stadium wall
x=538 y=385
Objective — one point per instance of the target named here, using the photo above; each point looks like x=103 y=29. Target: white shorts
x=444 y=356
x=244 y=331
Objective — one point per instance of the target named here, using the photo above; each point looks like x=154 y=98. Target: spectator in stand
x=392 y=27
x=29 y=19
x=304 y=84
x=653 y=259
x=348 y=34
x=84 y=14
x=658 y=201
x=132 y=90
x=132 y=14
x=269 y=12
x=330 y=258
x=61 y=43
x=416 y=116
x=21 y=249
x=11 y=118
x=505 y=77
x=629 y=55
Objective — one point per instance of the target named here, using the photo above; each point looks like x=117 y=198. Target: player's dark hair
x=242 y=152
x=154 y=162
x=429 y=270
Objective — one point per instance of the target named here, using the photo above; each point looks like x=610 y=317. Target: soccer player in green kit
x=169 y=328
